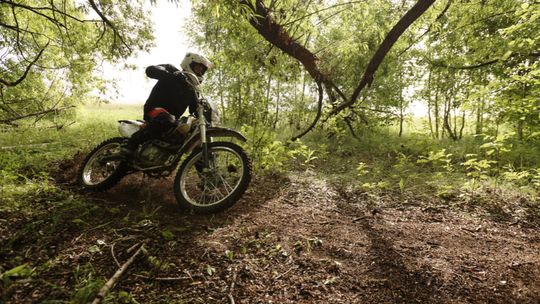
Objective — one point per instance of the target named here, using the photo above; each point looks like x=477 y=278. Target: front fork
x=204 y=141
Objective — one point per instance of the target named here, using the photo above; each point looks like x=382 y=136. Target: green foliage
x=87 y=285
x=271 y=154
x=18 y=272
x=70 y=42
x=362 y=169
x=438 y=160
x=210 y=270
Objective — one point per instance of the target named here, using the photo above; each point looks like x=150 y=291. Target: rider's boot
x=127 y=151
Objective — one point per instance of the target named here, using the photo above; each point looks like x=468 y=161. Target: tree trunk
x=479 y=116
x=447 y=118
x=266 y=119
x=520 y=125
x=277 y=104
x=437 y=114
x=429 y=104
x=221 y=98
x=401 y=118
x=454 y=109
x=462 y=125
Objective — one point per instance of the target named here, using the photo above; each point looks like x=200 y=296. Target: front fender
x=225 y=132
x=195 y=139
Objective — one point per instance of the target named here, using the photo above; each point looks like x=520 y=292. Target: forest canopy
x=472 y=64
x=49 y=50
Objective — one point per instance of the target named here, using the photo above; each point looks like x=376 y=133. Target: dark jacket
x=171 y=92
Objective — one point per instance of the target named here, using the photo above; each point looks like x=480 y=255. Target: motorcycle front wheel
x=95 y=174
x=218 y=187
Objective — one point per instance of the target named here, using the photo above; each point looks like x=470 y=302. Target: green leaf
x=19 y=271
x=210 y=270
x=167 y=235
x=78 y=221
x=506 y=55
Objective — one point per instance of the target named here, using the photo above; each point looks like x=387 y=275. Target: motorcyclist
x=169 y=99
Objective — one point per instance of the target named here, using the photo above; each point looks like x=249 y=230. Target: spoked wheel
x=218 y=187
x=96 y=174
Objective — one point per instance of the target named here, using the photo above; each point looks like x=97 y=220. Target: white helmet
x=190 y=59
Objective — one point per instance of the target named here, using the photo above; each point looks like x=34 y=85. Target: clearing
x=296 y=238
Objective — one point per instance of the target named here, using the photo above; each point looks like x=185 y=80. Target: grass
x=38 y=145
x=380 y=160
x=43 y=220
x=27 y=152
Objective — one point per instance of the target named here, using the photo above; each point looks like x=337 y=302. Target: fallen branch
x=114 y=256
x=114 y=279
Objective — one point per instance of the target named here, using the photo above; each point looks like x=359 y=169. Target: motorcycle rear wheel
x=218 y=187
x=101 y=176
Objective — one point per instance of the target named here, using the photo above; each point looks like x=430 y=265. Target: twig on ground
x=162 y=279
x=230 y=296
x=130 y=249
x=357 y=219
x=114 y=257
x=88 y=230
x=114 y=279
x=281 y=275
x=469 y=230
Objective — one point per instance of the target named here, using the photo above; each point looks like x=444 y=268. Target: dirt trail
x=313 y=243
x=298 y=239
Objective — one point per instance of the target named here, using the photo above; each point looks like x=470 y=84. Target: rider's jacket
x=171 y=92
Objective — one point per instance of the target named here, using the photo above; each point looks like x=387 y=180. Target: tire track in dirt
x=399 y=255
x=300 y=239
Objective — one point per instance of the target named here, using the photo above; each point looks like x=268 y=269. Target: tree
x=273 y=23
x=50 y=49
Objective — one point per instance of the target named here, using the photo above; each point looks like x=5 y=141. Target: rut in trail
x=297 y=238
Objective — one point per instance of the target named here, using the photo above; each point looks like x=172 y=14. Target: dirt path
x=299 y=239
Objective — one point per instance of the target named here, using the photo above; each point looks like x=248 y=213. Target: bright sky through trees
x=170 y=46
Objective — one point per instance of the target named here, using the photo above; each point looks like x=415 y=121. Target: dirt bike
x=211 y=178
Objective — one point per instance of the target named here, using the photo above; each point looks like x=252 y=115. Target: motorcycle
x=213 y=176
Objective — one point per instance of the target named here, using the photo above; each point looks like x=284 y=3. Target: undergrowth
x=478 y=171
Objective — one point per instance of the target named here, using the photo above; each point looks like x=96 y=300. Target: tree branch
x=441 y=14
x=16 y=82
x=274 y=33
x=11 y=120
x=52 y=9
x=317 y=117
x=412 y=15
x=109 y=23
x=35 y=10
x=441 y=64
x=321 y=10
